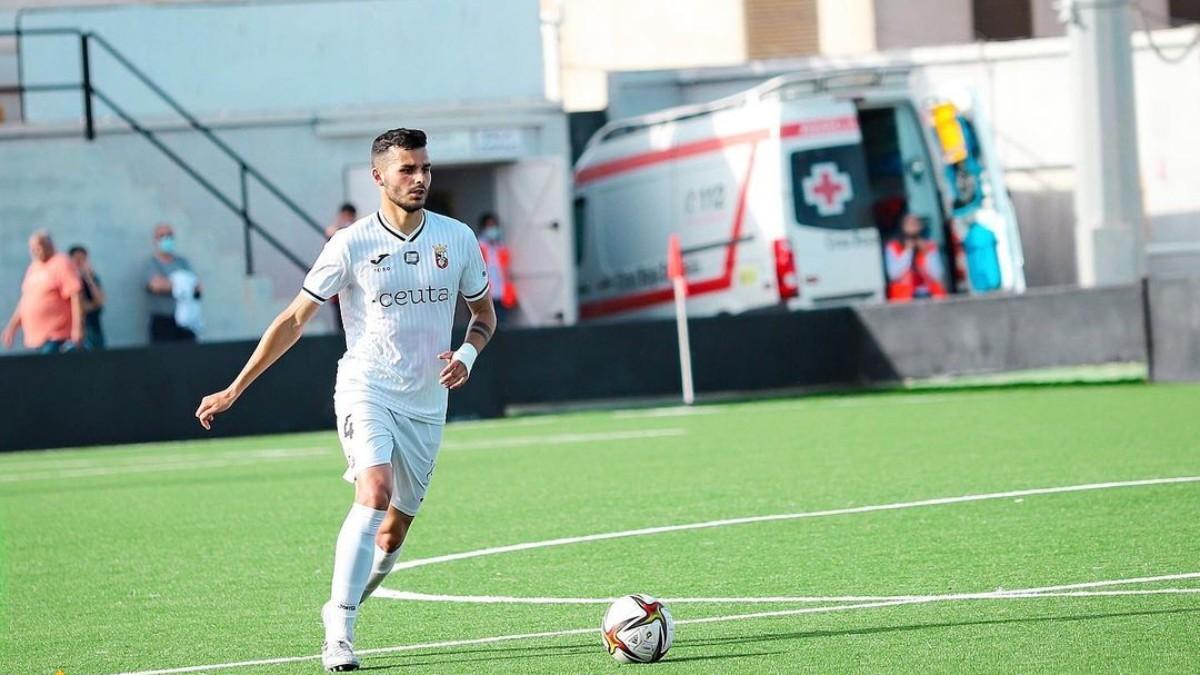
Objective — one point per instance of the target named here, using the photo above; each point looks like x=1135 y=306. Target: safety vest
x=497 y=259
x=921 y=275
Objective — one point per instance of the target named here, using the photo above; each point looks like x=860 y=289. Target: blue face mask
x=167 y=244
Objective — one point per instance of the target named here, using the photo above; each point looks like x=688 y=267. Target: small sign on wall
x=503 y=142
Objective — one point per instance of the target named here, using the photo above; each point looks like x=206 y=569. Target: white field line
x=99 y=459
x=562 y=439
x=1067 y=590
x=672 y=411
x=503 y=423
x=126 y=465
x=232 y=459
x=863 y=401
x=754 y=600
x=798 y=403
x=563 y=541
x=1016 y=594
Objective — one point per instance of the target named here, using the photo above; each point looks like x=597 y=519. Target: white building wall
x=846 y=26
x=296 y=57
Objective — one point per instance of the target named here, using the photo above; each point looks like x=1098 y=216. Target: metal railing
x=90 y=92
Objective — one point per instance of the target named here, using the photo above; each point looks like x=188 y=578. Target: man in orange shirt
x=50 y=311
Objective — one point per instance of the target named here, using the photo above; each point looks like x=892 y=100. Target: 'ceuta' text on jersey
x=397 y=294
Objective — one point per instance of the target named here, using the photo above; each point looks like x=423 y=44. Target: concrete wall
x=1040 y=329
x=1175 y=328
x=298 y=57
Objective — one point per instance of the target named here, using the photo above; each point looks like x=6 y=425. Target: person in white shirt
x=397 y=274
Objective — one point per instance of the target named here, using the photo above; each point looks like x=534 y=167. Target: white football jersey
x=397 y=295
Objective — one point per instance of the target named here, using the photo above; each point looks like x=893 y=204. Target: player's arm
x=284 y=331
x=479 y=332
x=77 y=318
x=10 y=331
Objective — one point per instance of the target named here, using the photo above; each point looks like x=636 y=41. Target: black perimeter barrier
x=150 y=394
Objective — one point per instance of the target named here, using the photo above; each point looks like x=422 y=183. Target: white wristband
x=466 y=354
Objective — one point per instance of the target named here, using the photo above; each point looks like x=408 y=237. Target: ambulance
x=784 y=196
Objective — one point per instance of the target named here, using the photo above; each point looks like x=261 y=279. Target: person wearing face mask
x=913 y=263
x=497 y=258
x=173 y=291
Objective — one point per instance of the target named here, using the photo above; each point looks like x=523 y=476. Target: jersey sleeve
x=330 y=273
x=473 y=284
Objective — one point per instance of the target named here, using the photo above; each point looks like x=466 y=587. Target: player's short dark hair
x=77 y=248
x=405 y=139
x=347 y=207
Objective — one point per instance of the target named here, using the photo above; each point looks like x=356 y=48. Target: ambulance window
x=830 y=188
x=580 y=218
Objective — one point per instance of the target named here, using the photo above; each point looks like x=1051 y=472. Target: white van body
x=773 y=193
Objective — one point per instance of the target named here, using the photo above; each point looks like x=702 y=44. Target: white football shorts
x=372 y=435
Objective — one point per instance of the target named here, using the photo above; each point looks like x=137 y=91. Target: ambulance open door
x=532 y=202
x=980 y=202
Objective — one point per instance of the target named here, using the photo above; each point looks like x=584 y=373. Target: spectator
x=497 y=259
x=50 y=311
x=914 y=264
x=174 y=291
x=345 y=217
x=93 y=298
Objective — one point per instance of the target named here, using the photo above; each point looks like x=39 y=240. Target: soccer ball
x=637 y=629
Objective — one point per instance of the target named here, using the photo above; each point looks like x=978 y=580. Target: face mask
x=491 y=232
x=167 y=244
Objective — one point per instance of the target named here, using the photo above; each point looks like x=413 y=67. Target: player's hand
x=455 y=374
x=214 y=404
x=10 y=334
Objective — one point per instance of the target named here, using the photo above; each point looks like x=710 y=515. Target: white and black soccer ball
x=637 y=629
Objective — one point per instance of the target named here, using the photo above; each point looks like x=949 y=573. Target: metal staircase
x=91 y=43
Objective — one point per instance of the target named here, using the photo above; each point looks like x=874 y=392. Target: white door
x=531 y=202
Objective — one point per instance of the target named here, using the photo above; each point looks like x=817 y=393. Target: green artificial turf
x=171 y=555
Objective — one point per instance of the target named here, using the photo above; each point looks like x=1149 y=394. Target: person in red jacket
x=914 y=264
x=498 y=260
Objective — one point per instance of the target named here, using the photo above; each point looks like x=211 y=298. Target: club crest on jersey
x=439 y=256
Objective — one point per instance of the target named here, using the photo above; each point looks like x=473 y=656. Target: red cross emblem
x=827 y=190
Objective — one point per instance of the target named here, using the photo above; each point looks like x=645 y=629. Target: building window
x=1184 y=11
x=1003 y=19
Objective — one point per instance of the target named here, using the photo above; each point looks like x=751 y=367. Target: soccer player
x=397 y=273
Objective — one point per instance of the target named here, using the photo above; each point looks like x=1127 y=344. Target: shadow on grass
x=590 y=648
x=798 y=635
x=486 y=656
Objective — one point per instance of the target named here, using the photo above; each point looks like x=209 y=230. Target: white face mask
x=491 y=232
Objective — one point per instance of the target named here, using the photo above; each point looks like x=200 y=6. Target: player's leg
x=368 y=439
x=417 y=445
x=387 y=547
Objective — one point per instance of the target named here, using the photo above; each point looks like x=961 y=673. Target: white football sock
x=352 y=559
x=384 y=562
